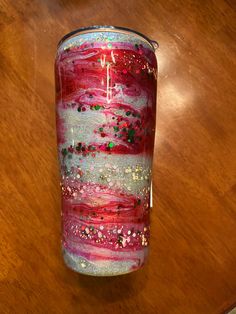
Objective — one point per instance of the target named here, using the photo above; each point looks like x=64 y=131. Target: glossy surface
x=191 y=267
x=106 y=83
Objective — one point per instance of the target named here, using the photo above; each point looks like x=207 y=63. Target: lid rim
x=152 y=43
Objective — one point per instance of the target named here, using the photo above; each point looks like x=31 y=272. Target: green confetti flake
x=116 y=128
x=131 y=133
x=101 y=129
x=64 y=151
x=110 y=145
x=128 y=113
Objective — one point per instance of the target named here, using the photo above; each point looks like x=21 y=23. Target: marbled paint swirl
x=106 y=100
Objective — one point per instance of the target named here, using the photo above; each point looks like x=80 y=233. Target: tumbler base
x=98 y=268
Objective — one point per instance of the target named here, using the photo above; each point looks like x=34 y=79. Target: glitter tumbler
x=105 y=106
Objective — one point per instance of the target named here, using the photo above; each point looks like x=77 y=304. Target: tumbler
x=106 y=81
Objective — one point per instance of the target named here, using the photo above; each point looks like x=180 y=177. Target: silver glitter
x=102 y=268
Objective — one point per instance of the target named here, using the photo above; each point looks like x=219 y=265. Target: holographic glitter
x=106 y=104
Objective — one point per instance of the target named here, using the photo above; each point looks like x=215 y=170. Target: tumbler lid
x=154 y=44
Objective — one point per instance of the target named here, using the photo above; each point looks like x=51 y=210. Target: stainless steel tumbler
x=106 y=107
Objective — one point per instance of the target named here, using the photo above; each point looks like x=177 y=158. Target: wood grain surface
x=192 y=261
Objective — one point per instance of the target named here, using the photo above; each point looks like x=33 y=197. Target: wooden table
x=191 y=269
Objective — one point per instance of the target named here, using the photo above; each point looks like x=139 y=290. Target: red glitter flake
x=70 y=149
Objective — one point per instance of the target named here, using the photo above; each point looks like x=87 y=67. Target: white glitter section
x=99 y=268
x=118 y=178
